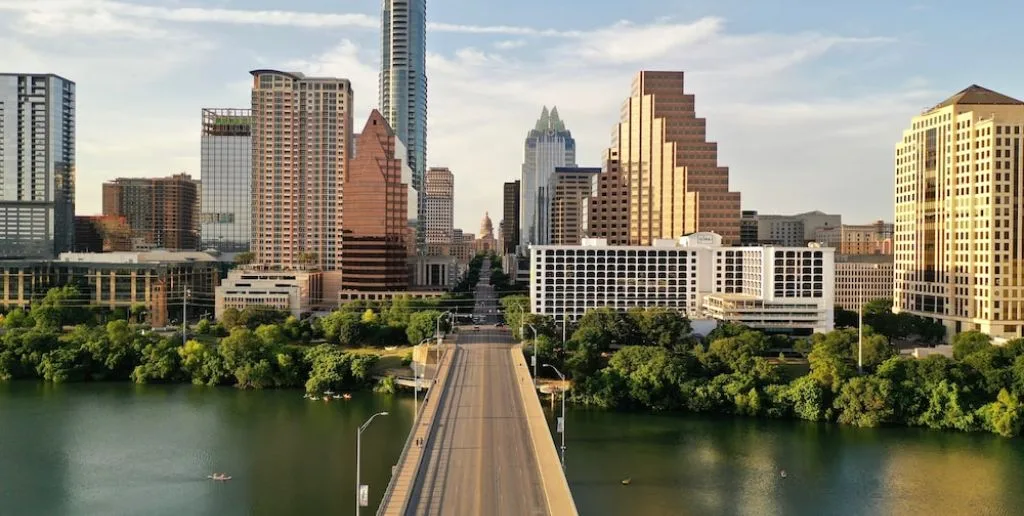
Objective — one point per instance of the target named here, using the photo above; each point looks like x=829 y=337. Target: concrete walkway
x=556 y=487
x=404 y=477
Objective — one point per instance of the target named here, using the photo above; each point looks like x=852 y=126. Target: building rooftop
x=977 y=95
x=156 y=256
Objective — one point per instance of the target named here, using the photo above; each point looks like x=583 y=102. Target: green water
x=686 y=465
x=121 y=449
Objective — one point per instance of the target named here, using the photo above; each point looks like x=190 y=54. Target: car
x=476 y=327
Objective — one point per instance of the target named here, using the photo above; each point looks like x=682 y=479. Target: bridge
x=480 y=444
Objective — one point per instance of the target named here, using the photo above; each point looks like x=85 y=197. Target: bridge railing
x=390 y=491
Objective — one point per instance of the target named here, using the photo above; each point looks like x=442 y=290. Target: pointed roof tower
x=543 y=121
x=977 y=95
x=556 y=123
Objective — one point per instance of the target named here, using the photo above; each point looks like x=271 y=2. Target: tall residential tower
x=37 y=165
x=959 y=231
x=548 y=145
x=301 y=141
x=440 y=197
x=403 y=87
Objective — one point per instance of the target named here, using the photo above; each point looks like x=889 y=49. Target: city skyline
x=751 y=77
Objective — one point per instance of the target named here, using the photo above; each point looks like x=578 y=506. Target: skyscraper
x=959 y=234
x=226 y=173
x=510 y=227
x=676 y=186
x=159 y=210
x=376 y=199
x=548 y=145
x=569 y=190
x=440 y=198
x=403 y=87
x=301 y=138
x=37 y=165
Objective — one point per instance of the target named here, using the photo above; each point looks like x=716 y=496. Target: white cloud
x=787 y=133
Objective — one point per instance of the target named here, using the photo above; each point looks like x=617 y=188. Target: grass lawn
x=389 y=359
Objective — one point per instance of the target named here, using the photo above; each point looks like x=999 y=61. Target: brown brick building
x=161 y=211
x=376 y=204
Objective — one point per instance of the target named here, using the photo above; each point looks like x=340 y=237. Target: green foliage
x=1005 y=416
x=386 y=385
x=969 y=342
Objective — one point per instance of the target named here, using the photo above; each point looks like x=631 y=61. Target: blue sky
x=805 y=97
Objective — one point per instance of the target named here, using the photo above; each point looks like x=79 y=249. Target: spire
x=543 y=121
x=556 y=123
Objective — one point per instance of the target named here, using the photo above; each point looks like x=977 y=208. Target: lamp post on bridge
x=359 y=453
x=536 y=360
x=561 y=422
x=437 y=335
x=416 y=380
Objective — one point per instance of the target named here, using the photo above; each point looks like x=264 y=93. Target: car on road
x=476 y=327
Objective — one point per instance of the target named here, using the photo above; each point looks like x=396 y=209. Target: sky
x=806 y=98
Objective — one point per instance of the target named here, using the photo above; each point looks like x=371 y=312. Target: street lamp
x=535 y=355
x=359 y=451
x=561 y=423
x=416 y=380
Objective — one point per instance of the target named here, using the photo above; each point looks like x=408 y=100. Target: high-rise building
x=862 y=278
x=301 y=141
x=569 y=190
x=675 y=182
x=376 y=199
x=548 y=145
x=37 y=165
x=439 y=188
x=608 y=209
x=959 y=255
x=226 y=172
x=403 y=88
x=159 y=210
x=98 y=233
x=510 y=223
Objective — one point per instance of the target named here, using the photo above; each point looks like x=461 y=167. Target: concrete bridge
x=486 y=448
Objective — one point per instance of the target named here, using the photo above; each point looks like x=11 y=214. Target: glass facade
x=548 y=145
x=403 y=89
x=226 y=173
x=37 y=165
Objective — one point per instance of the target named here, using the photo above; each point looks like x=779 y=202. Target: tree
x=603 y=328
x=663 y=327
x=865 y=401
x=969 y=342
x=737 y=353
x=845 y=318
x=421 y=325
x=245 y=258
x=1005 y=416
x=61 y=306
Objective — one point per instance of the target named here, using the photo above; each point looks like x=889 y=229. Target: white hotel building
x=787 y=289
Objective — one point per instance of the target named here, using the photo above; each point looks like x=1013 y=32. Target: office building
x=795 y=230
x=607 y=214
x=510 y=229
x=463 y=248
x=862 y=278
x=296 y=292
x=873 y=238
x=676 y=186
x=779 y=289
x=158 y=281
x=159 y=210
x=376 y=208
x=440 y=212
x=301 y=141
x=748 y=227
x=37 y=165
x=548 y=145
x=958 y=228
x=569 y=190
x=98 y=233
x=226 y=172
x=403 y=89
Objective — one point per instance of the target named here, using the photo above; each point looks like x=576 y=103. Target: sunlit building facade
x=959 y=246
x=548 y=145
x=226 y=174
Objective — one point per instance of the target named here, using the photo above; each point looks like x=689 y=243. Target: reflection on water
x=113 y=449
x=688 y=465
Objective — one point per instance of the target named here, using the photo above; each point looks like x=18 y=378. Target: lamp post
x=535 y=355
x=437 y=335
x=561 y=428
x=860 y=332
x=359 y=452
x=416 y=382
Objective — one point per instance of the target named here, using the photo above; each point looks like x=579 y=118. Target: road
x=480 y=459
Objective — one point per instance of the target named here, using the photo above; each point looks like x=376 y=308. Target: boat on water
x=782 y=473
x=220 y=477
x=328 y=393
x=627 y=481
x=314 y=398
x=346 y=396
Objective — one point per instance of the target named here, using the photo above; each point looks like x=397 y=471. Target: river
x=120 y=449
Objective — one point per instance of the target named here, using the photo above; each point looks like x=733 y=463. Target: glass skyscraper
x=226 y=173
x=37 y=165
x=403 y=89
x=548 y=145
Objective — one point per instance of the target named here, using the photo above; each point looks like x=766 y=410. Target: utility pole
x=184 y=315
x=860 y=332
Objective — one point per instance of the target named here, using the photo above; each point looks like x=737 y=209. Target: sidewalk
x=404 y=476
x=556 y=487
